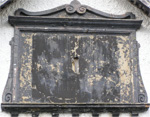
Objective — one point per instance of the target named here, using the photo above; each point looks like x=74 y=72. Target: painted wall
x=109 y=6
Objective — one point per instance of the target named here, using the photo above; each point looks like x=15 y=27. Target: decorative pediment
x=72 y=9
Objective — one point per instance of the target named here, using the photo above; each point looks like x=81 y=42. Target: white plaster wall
x=109 y=6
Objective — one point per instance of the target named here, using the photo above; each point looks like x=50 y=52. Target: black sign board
x=76 y=59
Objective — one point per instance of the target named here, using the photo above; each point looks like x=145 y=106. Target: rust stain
x=147 y=106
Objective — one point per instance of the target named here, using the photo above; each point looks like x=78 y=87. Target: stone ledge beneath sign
x=74 y=108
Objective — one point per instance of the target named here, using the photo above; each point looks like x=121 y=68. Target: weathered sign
x=76 y=59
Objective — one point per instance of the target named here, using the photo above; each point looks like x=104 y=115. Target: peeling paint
x=124 y=69
x=26 y=69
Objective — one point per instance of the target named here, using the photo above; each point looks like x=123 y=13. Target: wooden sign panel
x=74 y=68
x=74 y=59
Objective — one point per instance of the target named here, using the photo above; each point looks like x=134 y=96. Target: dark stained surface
x=74 y=58
x=51 y=69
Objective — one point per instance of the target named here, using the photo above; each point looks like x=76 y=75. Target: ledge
x=52 y=22
x=75 y=108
